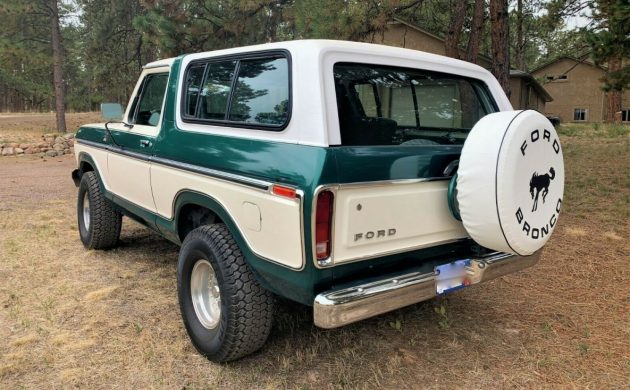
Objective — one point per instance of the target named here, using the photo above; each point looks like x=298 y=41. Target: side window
x=365 y=93
x=148 y=108
x=193 y=83
x=262 y=92
x=401 y=106
x=257 y=95
x=216 y=90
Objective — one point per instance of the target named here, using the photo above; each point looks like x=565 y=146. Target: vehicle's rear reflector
x=323 y=224
x=287 y=192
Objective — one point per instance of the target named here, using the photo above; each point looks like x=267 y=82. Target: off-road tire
x=105 y=222
x=247 y=309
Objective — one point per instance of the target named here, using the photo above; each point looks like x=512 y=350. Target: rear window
x=382 y=105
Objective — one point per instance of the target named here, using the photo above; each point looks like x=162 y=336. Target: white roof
x=324 y=45
x=160 y=63
x=314 y=109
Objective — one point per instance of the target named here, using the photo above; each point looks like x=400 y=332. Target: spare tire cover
x=510 y=181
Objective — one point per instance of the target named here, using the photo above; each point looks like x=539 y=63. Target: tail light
x=323 y=224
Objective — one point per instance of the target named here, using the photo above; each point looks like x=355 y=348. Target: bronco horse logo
x=540 y=184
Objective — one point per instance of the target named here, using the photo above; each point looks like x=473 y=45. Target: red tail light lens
x=323 y=224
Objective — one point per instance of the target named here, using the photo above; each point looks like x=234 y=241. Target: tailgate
x=392 y=200
x=376 y=220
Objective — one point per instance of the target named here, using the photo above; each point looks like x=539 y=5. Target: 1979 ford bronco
x=351 y=177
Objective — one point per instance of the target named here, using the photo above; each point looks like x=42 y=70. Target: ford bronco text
x=350 y=177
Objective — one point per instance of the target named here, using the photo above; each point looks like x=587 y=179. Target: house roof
x=581 y=59
x=513 y=73
x=533 y=82
x=440 y=38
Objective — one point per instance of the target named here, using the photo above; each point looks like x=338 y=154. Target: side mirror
x=111 y=112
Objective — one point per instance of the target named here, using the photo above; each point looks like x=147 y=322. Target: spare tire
x=510 y=181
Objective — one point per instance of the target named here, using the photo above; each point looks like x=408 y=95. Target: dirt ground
x=93 y=319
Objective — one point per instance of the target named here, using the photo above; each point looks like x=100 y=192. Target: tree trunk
x=60 y=109
x=500 y=48
x=613 y=104
x=472 y=51
x=520 y=41
x=451 y=43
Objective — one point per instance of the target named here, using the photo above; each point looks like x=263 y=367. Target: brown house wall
x=581 y=89
x=401 y=35
x=524 y=96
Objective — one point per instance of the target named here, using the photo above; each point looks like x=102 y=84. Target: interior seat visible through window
x=148 y=109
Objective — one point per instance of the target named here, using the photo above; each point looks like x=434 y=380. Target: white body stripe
x=277 y=236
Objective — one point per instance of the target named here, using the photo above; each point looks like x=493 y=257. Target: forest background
x=72 y=55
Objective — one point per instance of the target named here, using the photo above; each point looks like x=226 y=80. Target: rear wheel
x=99 y=223
x=226 y=312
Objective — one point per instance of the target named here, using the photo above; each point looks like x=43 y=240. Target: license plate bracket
x=453 y=276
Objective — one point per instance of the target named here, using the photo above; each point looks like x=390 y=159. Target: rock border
x=52 y=145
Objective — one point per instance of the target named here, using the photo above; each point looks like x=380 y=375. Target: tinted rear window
x=381 y=105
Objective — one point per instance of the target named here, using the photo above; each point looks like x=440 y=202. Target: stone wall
x=51 y=145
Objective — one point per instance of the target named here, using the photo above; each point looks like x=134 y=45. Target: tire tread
x=251 y=307
x=105 y=221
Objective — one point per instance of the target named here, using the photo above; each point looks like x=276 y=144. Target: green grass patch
x=618 y=130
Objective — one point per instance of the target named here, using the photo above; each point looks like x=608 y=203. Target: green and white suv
x=350 y=177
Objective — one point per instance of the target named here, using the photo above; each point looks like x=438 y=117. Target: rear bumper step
x=336 y=308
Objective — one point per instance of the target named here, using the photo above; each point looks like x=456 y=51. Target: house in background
x=576 y=85
x=527 y=93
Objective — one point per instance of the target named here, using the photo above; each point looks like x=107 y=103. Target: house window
x=579 y=114
x=562 y=77
x=625 y=115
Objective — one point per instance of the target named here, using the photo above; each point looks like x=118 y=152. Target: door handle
x=145 y=143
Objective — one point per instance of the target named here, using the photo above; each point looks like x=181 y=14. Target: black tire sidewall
x=207 y=341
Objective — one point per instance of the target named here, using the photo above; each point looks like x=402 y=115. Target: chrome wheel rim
x=205 y=293
x=86 y=211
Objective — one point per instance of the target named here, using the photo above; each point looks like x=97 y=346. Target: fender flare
x=191 y=197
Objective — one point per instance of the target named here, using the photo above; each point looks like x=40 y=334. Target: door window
x=148 y=107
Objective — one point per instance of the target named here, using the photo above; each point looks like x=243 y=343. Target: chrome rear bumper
x=336 y=308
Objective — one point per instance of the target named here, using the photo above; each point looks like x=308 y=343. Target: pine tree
x=609 y=40
x=500 y=47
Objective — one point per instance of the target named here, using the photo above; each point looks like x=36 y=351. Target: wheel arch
x=187 y=200
x=271 y=276
x=87 y=164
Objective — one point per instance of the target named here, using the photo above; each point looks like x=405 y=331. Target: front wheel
x=226 y=312
x=99 y=223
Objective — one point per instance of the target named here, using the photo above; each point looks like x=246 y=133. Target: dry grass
x=24 y=128
x=71 y=317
